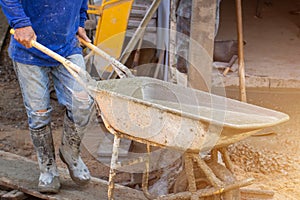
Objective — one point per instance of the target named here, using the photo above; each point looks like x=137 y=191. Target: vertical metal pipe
x=146 y=175
x=241 y=51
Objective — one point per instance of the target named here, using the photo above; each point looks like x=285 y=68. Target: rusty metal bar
x=189 y=170
x=208 y=192
x=214 y=155
x=226 y=158
x=114 y=159
x=146 y=175
x=213 y=180
x=241 y=51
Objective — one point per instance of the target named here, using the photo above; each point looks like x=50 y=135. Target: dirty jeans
x=35 y=86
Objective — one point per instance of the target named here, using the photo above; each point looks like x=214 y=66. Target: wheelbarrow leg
x=146 y=175
x=114 y=159
x=113 y=167
x=214 y=181
x=226 y=158
x=189 y=170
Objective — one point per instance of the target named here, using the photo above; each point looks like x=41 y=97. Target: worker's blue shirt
x=54 y=22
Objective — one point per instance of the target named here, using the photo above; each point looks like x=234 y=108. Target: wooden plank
x=201 y=48
x=22 y=174
x=14 y=195
x=256 y=194
x=3 y=192
x=13 y=185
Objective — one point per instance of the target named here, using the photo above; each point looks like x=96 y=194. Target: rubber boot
x=43 y=145
x=70 y=152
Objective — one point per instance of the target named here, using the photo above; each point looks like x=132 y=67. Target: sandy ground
x=271 y=54
x=272 y=42
x=272 y=159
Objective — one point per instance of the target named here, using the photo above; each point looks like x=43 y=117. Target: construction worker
x=55 y=25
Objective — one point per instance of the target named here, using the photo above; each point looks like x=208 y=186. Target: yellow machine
x=112 y=19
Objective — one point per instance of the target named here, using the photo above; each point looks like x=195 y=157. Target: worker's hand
x=81 y=33
x=25 y=35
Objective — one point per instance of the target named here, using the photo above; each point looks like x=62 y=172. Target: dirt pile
x=265 y=161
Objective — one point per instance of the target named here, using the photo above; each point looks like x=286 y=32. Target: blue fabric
x=54 y=22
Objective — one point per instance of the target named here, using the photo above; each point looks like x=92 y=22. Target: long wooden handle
x=78 y=73
x=53 y=55
x=114 y=62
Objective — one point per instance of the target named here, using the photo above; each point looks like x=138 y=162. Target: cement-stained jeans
x=35 y=86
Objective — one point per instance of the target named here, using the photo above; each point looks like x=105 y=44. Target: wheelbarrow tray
x=165 y=114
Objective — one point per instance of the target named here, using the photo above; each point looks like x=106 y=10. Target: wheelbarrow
x=166 y=115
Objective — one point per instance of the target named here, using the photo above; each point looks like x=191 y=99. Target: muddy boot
x=43 y=144
x=70 y=152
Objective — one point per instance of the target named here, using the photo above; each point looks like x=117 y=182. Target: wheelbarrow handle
x=117 y=65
